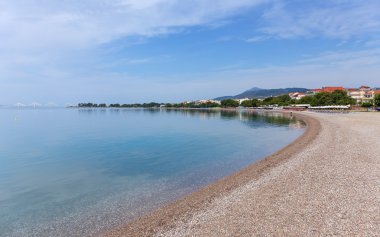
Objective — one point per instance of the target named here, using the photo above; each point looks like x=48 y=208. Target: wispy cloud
x=34 y=24
x=373 y=43
x=255 y=39
x=56 y=47
x=328 y=18
x=358 y=58
x=347 y=68
x=39 y=36
x=51 y=40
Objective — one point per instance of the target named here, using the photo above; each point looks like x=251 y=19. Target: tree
x=230 y=103
x=251 y=103
x=247 y=103
x=90 y=105
x=309 y=99
x=115 y=105
x=322 y=98
x=256 y=103
x=209 y=104
x=341 y=98
x=367 y=104
x=281 y=100
x=268 y=100
x=377 y=100
x=335 y=98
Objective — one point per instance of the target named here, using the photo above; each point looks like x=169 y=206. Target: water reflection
x=251 y=118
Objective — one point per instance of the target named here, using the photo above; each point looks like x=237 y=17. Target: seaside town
x=327 y=98
x=363 y=98
x=363 y=94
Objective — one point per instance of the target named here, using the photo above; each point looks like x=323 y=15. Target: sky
x=128 y=51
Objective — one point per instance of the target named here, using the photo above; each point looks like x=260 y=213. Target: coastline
x=166 y=217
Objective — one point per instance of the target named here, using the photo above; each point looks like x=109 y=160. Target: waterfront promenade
x=327 y=183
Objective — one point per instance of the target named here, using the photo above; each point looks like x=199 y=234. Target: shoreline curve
x=165 y=218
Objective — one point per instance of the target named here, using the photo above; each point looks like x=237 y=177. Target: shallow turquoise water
x=77 y=172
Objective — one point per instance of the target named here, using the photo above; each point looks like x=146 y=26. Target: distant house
x=242 y=100
x=328 y=89
x=365 y=88
x=363 y=94
x=207 y=101
x=297 y=95
x=315 y=91
x=355 y=94
x=332 y=88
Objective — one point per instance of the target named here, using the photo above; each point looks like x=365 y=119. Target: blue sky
x=127 y=51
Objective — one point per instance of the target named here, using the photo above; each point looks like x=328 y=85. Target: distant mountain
x=255 y=89
x=258 y=93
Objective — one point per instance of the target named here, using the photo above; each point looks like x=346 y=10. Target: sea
x=84 y=171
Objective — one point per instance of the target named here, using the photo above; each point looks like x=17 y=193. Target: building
x=364 y=94
x=365 y=88
x=331 y=89
x=242 y=100
x=328 y=89
x=355 y=94
x=297 y=95
x=207 y=101
x=315 y=91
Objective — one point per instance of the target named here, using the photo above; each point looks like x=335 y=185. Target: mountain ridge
x=259 y=93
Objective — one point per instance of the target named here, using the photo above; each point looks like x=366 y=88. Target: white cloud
x=43 y=39
x=56 y=39
x=33 y=24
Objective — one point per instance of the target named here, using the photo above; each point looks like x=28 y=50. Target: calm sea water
x=78 y=172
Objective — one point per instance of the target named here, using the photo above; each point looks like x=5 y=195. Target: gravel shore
x=327 y=183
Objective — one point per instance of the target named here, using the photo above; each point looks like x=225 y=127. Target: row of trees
x=326 y=98
x=319 y=99
x=92 y=105
x=145 y=105
x=281 y=100
x=208 y=104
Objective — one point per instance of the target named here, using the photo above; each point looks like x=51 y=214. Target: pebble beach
x=326 y=183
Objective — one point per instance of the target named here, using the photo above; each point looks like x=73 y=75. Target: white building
x=207 y=101
x=297 y=95
x=241 y=100
x=362 y=95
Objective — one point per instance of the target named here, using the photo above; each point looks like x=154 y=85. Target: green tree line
x=319 y=99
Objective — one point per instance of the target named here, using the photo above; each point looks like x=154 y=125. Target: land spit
x=325 y=183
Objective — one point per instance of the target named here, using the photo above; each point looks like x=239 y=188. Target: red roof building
x=365 y=88
x=332 y=88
